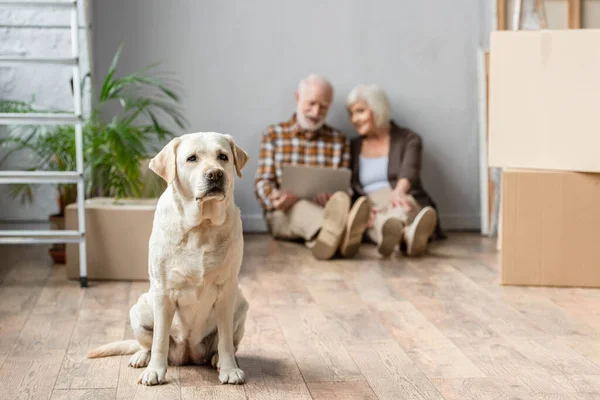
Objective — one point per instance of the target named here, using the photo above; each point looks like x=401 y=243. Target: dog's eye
x=223 y=157
x=192 y=158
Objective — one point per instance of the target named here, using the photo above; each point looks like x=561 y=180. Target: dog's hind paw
x=214 y=360
x=140 y=359
x=234 y=375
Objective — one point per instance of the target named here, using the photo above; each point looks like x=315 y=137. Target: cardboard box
x=544 y=97
x=550 y=228
x=116 y=240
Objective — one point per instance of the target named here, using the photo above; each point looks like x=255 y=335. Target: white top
x=373 y=173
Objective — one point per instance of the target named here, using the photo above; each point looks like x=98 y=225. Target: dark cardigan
x=404 y=161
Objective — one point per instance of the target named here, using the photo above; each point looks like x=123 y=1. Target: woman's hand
x=374 y=212
x=400 y=199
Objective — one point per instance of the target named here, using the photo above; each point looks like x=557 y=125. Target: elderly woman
x=386 y=167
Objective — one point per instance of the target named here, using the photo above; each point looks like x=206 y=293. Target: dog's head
x=201 y=166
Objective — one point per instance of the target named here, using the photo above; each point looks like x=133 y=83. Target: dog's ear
x=240 y=157
x=164 y=163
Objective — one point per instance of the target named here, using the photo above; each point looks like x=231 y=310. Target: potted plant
x=147 y=113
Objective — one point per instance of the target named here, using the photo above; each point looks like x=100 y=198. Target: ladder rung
x=11 y=177
x=39 y=60
x=52 y=3
x=38 y=119
x=38 y=26
x=40 y=233
x=39 y=240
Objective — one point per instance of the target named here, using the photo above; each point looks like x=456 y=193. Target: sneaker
x=418 y=233
x=334 y=224
x=358 y=218
x=391 y=234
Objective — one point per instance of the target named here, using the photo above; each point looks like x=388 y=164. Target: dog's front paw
x=139 y=359
x=153 y=376
x=233 y=375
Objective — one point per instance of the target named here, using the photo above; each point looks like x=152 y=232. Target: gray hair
x=314 y=78
x=375 y=98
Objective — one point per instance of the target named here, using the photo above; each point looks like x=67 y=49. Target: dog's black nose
x=214 y=174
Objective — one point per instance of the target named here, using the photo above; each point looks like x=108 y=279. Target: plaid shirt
x=288 y=143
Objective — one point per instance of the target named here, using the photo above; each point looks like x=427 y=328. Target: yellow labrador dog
x=194 y=311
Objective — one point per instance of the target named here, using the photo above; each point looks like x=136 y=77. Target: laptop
x=308 y=181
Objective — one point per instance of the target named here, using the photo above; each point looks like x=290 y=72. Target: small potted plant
x=115 y=149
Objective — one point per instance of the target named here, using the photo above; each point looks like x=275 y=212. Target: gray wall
x=240 y=62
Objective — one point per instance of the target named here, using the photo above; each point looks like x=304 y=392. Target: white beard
x=305 y=124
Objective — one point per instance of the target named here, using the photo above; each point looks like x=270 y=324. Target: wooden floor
x=440 y=327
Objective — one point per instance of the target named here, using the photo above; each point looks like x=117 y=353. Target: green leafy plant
x=146 y=113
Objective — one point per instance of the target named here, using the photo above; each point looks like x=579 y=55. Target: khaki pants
x=380 y=199
x=302 y=221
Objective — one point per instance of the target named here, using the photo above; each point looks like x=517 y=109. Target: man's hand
x=283 y=200
x=322 y=198
x=399 y=199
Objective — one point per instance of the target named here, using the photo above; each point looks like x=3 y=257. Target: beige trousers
x=302 y=221
x=380 y=199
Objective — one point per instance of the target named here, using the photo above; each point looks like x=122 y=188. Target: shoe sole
x=391 y=234
x=334 y=223
x=424 y=225
x=358 y=219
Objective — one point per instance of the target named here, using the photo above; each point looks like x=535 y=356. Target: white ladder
x=8 y=177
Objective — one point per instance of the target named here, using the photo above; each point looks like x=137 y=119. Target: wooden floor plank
x=268 y=364
x=501 y=388
x=585 y=385
x=23 y=276
x=262 y=390
x=22 y=378
x=430 y=349
x=442 y=303
x=318 y=351
x=587 y=346
x=351 y=319
x=391 y=373
x=283 y=288
x=11 y=324
x=32 y=366
x=471 y=389
x=435 y=327
x=498 y=357
x=554 y=355
x=460 y=307
x=224 y=392
x=435 y=354
x=582 y=304
x=102 y=318
x=84 y=394
x=352 y=390
x=535 y=370
x=546 y=314
x=265 y=354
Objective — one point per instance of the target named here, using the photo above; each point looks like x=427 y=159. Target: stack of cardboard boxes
x=544 y=121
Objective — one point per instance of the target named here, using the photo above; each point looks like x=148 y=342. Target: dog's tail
x=115 y=349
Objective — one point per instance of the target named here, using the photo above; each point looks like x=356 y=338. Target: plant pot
x=58 y=250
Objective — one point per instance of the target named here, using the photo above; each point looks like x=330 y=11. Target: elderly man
x=328 y=222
